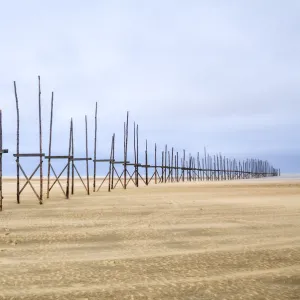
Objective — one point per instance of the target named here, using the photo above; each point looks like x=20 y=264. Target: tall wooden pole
x=69 y=160
x=95 y=148
x=137 y=155
x=166 y=152
x=125 y=150
x=113 y=163
x=41 y=144
x=87 y=155
x=155 y=164
x=162 y=166
x=1 y=196
x=18 y=144
x=72 y=161
x=134 y=149
x=110 y=162
x=146 y=162
x=50 y=146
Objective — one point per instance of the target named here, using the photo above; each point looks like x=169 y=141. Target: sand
x=223 y=240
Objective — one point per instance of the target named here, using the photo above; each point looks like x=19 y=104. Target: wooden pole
x=155 y=164
x=95 y=148
x=69 y=159
x=72 y=161
x=183 y=165
x=18 y=144
x=110 y=162
x=137 y=155
x=134 y=149
x=172 y=161
x=125 y=151
x=1 y=194
x=41 y=143
x=162 y=166
x=146 y=162
x=166 y=152
x=50 y=146
x=87 y=156
x=113 y=163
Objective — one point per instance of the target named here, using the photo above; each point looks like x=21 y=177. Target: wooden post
x=50 y=146
x=183 y=165
x=110 y=162
x=137 y=155
x=113 y=163
x=95 y=148
x=41 y=144
x=1 y=196
x=87 y=156
x=134 y=148
x=166 y=151
x=69 y=159
x=18 y=144
x=72 y=161
x=125 y=150
x=155 y=164
x=2 y=151
x=146 y=162
x=162 y=166
x=169 y=166
x=172 y=161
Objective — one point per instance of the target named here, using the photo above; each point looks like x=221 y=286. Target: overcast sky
x=220 y=74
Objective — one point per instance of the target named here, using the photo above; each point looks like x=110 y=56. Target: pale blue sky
x=220 y=74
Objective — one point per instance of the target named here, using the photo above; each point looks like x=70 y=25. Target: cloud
x=191 y=73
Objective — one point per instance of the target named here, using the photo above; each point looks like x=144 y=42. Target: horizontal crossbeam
x=103 y=160
x=29 y=155
x=79 y=158
x=59 y=157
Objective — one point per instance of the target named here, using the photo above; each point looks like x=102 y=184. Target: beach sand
x=213 y=240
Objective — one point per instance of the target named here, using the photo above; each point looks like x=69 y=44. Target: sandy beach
x=210 y=240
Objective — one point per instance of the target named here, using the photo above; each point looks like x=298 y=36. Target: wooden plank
x=29 y=155
x=59 y=157
x=82 y=158
x=103 y=160
x=121 y=162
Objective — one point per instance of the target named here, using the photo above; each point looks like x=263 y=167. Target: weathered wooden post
x=2 y=151
x=95 y=148
x=18 y=144
x=41 y=144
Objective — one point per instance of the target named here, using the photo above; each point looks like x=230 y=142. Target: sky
x=217 y=74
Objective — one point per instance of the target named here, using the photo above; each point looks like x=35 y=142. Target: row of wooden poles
x=169 y=167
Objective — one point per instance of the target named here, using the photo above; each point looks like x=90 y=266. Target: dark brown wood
x=102 y=160
x=50 y=146
x=87 y=157
x=1 y=152
x=95 y=148
x=18 y=144
x=29 y=154
x=82 y=158
x=69 y=160
x=113 y=163
x=125 y=150
x=137 y=155
x=41 y=144
x=59 y=156
x=110 y=162
x=155 y=162
x=146 y=163
x=72 y=162
x=134 y=152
